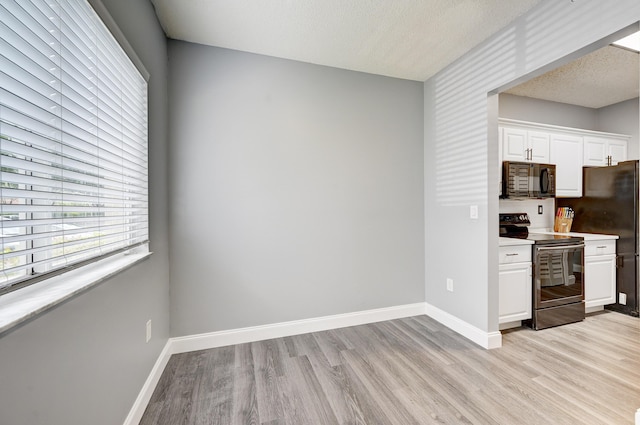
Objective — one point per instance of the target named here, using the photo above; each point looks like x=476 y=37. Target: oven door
x=558 y=275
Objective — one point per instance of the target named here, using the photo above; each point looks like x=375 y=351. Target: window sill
x=23 y=304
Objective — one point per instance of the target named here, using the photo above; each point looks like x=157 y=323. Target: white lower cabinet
x=514 y=284
x=599 y=273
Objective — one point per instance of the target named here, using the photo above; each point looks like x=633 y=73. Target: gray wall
x=296 y=190
x=623 y=117
x=461 y=150
x=85 y=361
x=544 y=111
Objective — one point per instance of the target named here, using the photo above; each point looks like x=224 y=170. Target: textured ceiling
x=410 y=39
x=602 y=78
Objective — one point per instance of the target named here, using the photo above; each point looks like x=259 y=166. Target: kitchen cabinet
x=568 y=148
x=514 y=281
x=599 y=273
x=603 y=151
x=525 y=145
x=566 y=154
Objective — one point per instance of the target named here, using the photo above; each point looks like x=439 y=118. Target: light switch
x=473 y=212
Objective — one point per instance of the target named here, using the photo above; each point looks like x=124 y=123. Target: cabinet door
x=539 y=143
x=514 y=144
x=595 y=151
x=566 y=153
x=617 y=150
x=598 y=149
x=599 y=280
x=514 y=292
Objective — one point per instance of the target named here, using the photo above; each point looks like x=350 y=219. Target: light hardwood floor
x=410 y=371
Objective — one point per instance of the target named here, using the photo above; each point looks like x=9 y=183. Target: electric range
x=557 y=276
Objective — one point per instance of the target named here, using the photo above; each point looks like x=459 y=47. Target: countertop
x=586 y=236
x=514 y=241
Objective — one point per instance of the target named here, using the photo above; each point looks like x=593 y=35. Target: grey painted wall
x=296 y=190
x=543 y=111
x=623 y=117
x=461 y=154
x=85 y=361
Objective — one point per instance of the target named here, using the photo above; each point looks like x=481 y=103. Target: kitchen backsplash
x=530 y=206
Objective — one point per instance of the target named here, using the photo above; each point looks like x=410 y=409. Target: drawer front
x=515 y=254
x=599 y=247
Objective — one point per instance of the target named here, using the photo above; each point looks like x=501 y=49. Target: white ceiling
x=410 y=39
x=602 y=78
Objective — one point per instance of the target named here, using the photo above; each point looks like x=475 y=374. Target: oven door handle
x=556 y=247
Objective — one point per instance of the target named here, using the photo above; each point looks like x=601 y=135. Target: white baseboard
x=588 y=310
x=510 y=325
x=139 y=406
x=484 y=339
x=296 y=327
x=278 y=330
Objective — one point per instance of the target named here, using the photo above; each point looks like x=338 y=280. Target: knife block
x=562 y=225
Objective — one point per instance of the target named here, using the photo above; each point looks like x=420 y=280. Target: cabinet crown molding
x=558 y=128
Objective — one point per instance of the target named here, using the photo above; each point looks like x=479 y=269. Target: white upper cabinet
x=566 y=153
x=568 y=148
x=540 y=146
x=603 y=151
x=618 y=151
x=514 y=144
x=525 y=145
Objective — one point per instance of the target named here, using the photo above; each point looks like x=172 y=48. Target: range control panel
x=515 y=219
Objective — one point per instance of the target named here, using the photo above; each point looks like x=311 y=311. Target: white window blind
x=73 y=140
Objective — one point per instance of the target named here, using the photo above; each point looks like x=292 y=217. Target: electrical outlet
x=449 y=285
x=622 y=298
x=148 y=330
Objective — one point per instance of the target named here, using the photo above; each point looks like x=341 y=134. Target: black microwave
x=528 y=180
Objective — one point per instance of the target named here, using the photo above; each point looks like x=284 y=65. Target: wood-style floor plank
x=410 y=371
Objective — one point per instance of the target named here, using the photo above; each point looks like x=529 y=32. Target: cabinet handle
x=511 y=255
x=601 y=247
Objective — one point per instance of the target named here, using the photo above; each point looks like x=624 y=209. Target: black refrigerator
x=609 y=205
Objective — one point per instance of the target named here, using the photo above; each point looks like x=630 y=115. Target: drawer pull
x=601 y=247
x=512 y=255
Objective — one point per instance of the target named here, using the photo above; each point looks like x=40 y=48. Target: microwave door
x=544 y=180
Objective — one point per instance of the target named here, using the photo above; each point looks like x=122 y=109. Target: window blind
x=73 y=140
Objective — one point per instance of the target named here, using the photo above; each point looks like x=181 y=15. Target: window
x=73 y=141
